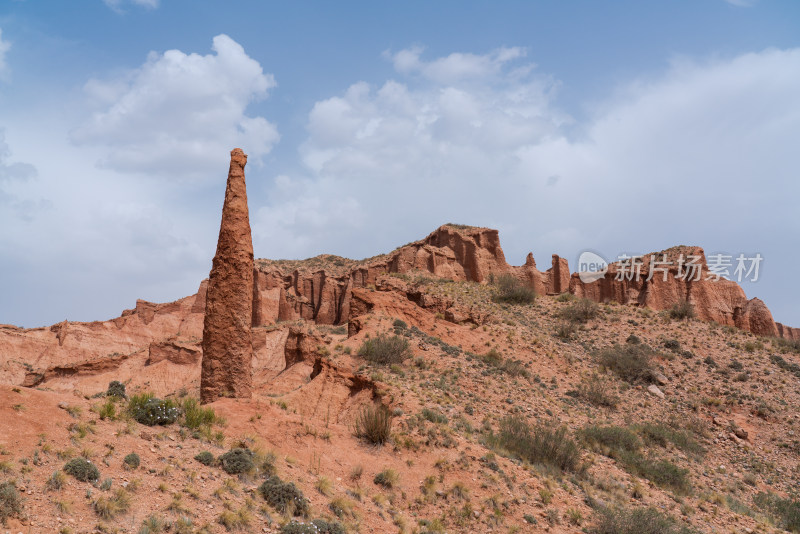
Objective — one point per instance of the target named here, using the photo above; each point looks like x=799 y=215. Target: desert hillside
x=431 y=389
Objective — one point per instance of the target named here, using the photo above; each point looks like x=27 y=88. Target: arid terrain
x=604 y=407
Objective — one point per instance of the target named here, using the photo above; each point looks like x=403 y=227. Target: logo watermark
x=592 y=266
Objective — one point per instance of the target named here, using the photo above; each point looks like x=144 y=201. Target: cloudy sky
x=618 y=127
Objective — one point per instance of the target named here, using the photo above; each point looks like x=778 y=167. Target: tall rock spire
x=227 y=349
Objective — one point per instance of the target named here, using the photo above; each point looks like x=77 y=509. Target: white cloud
x=180 y=114
x=5 y=46
x=704 y=154
x=117 y=5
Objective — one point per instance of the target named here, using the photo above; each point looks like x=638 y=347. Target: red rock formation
x=722 y=301
x=227 y=345
x=457 y=253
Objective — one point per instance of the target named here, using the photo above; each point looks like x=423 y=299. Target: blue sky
x=620 y=127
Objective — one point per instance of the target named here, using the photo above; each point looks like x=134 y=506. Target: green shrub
x=512 y=290
x=682 y=310
x=610 y=438
x=116 y=389
x=149 y=410
x=542 y=444
x=598 y=391
x=82 y=469
x=237 y=461
x=284 y=496
x=385 y=349
x=632 y=363
x=205 y=458
x=374 y=424
x=580 y=311
x=10 y=501
x=662 y=473
x=635 y=521
x=662 y=435
x=434 y=416
x=785 y=512
x=195 y=416
x=131 y=461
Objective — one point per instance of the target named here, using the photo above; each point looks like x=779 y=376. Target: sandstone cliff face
x=227 y=345
x=458 y=253
x=722 y=301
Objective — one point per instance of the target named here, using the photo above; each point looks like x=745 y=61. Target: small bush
x=10 y=501
x=82 y=469
x=542 y=444
x=107 y=410
x=237 y=461
x=131 y=461
x=785 y=512
x=631 y=363
x=662 y=435
x=565 y=330
x=150 y=411
x=635 y=521
x=598 y=391
x=235 y=520
x=385 y=349
x=682 y=310
x=205 y=458
x=580 y=311
x=195 y=416
x=511 y=290
x=284 y=496
x=116 y=389
x=374 y=424
x=434 y=416
x=56 y=481
x=611 y=438
x=387 y=478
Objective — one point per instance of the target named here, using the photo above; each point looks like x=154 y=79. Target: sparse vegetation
x=580 y=311
x=632 y=363
x=131 y=461
x=387 y=478
x=385 y=349
x=683 y=310
x=284 y=497
x=511 y=290
x=237 y=461
x=374 y=424
x=785 y=512
x=149 y=410
x=112 y=506
x=82 y=469
x=635 y=521
x=205 y=458
x=547 y=445
x=10 y=501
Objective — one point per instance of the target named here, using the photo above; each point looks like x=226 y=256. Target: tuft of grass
x=107 y=410
x=385 y=349
x=511 y=290
x=632 y=363
x=387 y=478
x=56 y=481
x=195 y=416
x=109 y=507
x=598 y=391
x=153 y=525
x=374 y=424
x=324 y=486
x=342 y=508
x=235 y=520
x=543 y=444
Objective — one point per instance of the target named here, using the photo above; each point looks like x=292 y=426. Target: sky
x=621 y=127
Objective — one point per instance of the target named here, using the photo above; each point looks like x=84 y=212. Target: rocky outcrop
x=679 y=274
x=285 y=291
x=227 y=345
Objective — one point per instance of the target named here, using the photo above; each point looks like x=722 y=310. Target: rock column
x=227 y=347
